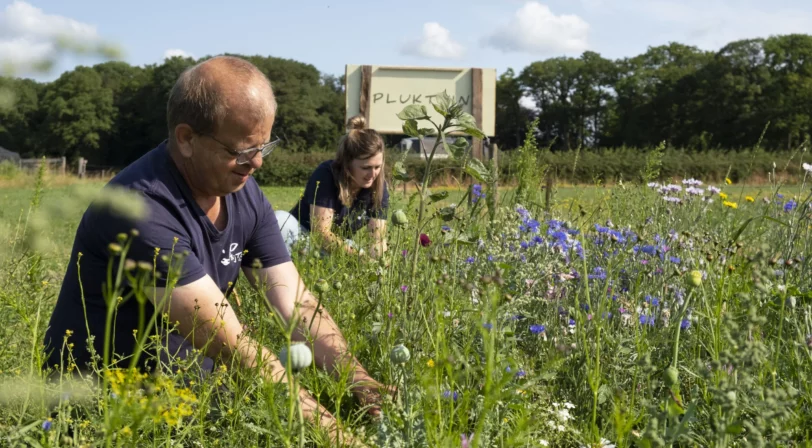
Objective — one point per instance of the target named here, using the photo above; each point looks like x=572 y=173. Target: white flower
x=807 y=168
x=569 y=405
x=561 y=428
x=543 y=442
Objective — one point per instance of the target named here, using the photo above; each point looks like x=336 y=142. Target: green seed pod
x=114 y=248
x=399 y=218
x=300 y=357
x=695 y=279
x=121 y=238
x=400 y=354
x=322 y=286
x=671 y=376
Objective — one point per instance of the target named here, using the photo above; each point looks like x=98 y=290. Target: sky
x=328 y=34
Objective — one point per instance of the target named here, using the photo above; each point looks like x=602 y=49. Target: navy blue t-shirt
x=346 y=220
x=252 y=233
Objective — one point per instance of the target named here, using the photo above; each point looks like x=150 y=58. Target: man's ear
x=184 y=136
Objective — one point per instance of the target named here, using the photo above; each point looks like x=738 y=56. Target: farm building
x=11 y=156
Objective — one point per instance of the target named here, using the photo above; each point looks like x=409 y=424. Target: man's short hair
x=197 y=101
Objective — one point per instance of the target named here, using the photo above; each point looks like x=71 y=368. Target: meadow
x=655 y=312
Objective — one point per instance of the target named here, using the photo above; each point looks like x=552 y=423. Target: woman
x=344 y=195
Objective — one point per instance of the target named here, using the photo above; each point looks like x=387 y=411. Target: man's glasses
x=247 y=155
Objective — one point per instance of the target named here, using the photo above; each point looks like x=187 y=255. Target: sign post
x=379 y=93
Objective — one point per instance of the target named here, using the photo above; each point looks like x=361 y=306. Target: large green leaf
x=414 y=112
x=438 y=196
x=467 y=122
x=475 y=168
x=399 y=172
x=410 y=128
x=442 y=103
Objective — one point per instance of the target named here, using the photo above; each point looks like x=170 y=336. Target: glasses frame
x=245 y=156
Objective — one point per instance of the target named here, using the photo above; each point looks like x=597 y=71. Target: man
x=201 y=201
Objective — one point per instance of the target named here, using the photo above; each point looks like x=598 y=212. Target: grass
x=525 y=328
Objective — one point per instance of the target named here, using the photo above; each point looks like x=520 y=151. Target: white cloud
x=172 y=52
x=535 y=29
x=435 y=43
x=28 y=35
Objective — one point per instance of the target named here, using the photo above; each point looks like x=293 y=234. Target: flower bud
x=400 y=354
x=695 y=278
x=300 y=357
x=399 y=218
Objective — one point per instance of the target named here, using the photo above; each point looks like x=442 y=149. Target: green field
x=507 y=341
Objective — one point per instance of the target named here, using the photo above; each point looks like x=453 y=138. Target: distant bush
x=575 y=167
x=9 y=170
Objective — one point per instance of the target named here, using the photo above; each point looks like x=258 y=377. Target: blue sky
x=331 y=33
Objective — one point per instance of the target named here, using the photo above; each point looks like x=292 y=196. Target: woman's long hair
x=358 y=143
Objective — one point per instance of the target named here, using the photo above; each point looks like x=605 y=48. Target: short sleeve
x=265 y=243
x=323 y=188
x=159 y=230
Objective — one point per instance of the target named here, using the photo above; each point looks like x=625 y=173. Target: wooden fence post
x=64 y=163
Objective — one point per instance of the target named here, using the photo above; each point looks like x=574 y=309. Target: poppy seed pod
x=300 y=357
x=695 y=278
x=399 y=218
x=400 y=354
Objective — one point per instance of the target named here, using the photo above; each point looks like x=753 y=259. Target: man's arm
x=286 y=292
x=206 y=319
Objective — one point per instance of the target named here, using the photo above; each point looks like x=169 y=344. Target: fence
x=59 y=164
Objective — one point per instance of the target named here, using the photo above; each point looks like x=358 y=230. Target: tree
x=78 y=112
x=511 y=116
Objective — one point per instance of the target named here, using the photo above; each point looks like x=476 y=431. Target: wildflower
x=675 y=260
x=404 y=288
x=672 y=199
x=749 y=199
x=692 y=182
x=47 y=424
x=449 y=394
x=430 y=363
x=477 y=193
x=723 y=195
x=695 y=191
x=790 y=205
x=521 y=373
x=424 y=240
x=466 y=440
x=445 y=228
x=685 y=324
x=730 y=204
x=470 y=260
x=807 y=167
x=536 y=329
x=543 y=442
x=487 y=326
x=714 y=190
x=728 y=181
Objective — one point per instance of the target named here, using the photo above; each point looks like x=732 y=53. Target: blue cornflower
x=790 y=205
x=538 y=240
x=649 y=249
x=675 y=260
x=572 y=322
x=487 y=326
x=685 y=324
x=522 y=212
x=521 y=373
x=47 y=425
x=449 y=394
x=647 y=320
x=470 y=260
x=477 y=193
x=654 y=301
x=490 y=257
x=524 y=245
x=445 y=228
x=601 y=229
x=536 y=329
x=598 y=273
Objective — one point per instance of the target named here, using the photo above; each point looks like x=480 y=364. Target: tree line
x=754 y=91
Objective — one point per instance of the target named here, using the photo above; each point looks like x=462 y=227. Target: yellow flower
x=730 y=204
x=430 y=363
x=728 y=181
x=723 y=195
x=126 y=431
x=749 y=199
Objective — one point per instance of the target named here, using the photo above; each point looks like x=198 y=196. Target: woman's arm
x=377 y=227
x=321 y=222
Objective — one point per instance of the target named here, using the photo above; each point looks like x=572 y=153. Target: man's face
x=217 y=170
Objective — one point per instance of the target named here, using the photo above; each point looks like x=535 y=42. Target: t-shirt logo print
x=232 y=257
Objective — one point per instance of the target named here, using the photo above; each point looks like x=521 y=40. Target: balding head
x=206 y=93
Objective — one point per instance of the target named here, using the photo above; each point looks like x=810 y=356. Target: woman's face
x=365 y=171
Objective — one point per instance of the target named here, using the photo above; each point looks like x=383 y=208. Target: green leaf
x=467 y=122
x=426 y=132
x=447 y=213
x=734 y=429
x=441 y=103
x=410 y=128
x=477 y=170
x=399 y=172
x=604 y=393
x=438 y=196
x=414 y=112
x=457 y=149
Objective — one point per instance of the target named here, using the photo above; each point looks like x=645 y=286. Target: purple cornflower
x=404 y=288
x=685 y=324
x=692 y=182
x=695 y=191
x=536 y=329
x=449 y=394
x=672 y=199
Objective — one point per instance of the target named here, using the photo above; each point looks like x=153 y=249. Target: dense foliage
x=750 y=91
